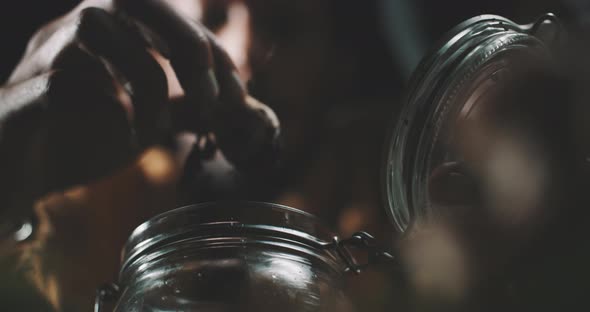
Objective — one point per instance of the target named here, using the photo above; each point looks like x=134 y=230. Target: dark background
x=20 y=19
x=382 y=73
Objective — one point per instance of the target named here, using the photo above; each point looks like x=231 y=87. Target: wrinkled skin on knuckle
x=47 y=43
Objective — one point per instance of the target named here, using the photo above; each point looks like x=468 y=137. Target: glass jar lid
x=459 y=83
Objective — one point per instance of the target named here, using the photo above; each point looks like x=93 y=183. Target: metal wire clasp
x=365 y=242
x=106 y=298
x=557 y=29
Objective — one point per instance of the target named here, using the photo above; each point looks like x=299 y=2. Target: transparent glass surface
x=458 y=102
x=234 y=279
x=231 y=257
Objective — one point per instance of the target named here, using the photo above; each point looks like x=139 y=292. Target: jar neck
x=236 y=239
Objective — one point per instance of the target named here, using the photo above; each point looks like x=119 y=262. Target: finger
x=248 y=137
x=102 y=34
x=189 y=49
x=87 y=132
x=233 y=94
x=231 y=88
x=189 y=111
x=247 y=130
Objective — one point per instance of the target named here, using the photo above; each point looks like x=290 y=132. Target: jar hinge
x=106 y=298
x=364 y=242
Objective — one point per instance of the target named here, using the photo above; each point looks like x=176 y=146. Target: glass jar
x=230 y=256
x=251 y=256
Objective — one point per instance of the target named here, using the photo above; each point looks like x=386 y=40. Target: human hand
x=89 y=95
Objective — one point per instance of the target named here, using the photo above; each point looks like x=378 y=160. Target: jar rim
x=221 y=218
x=459 y=56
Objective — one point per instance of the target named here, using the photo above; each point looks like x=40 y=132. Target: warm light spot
x=158 y=166
x=516 y=180
x=352 y=220
x=51 y=290
x=78 y=192
x=436 y=263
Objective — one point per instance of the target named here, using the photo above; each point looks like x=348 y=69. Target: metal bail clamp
x=365 y=242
